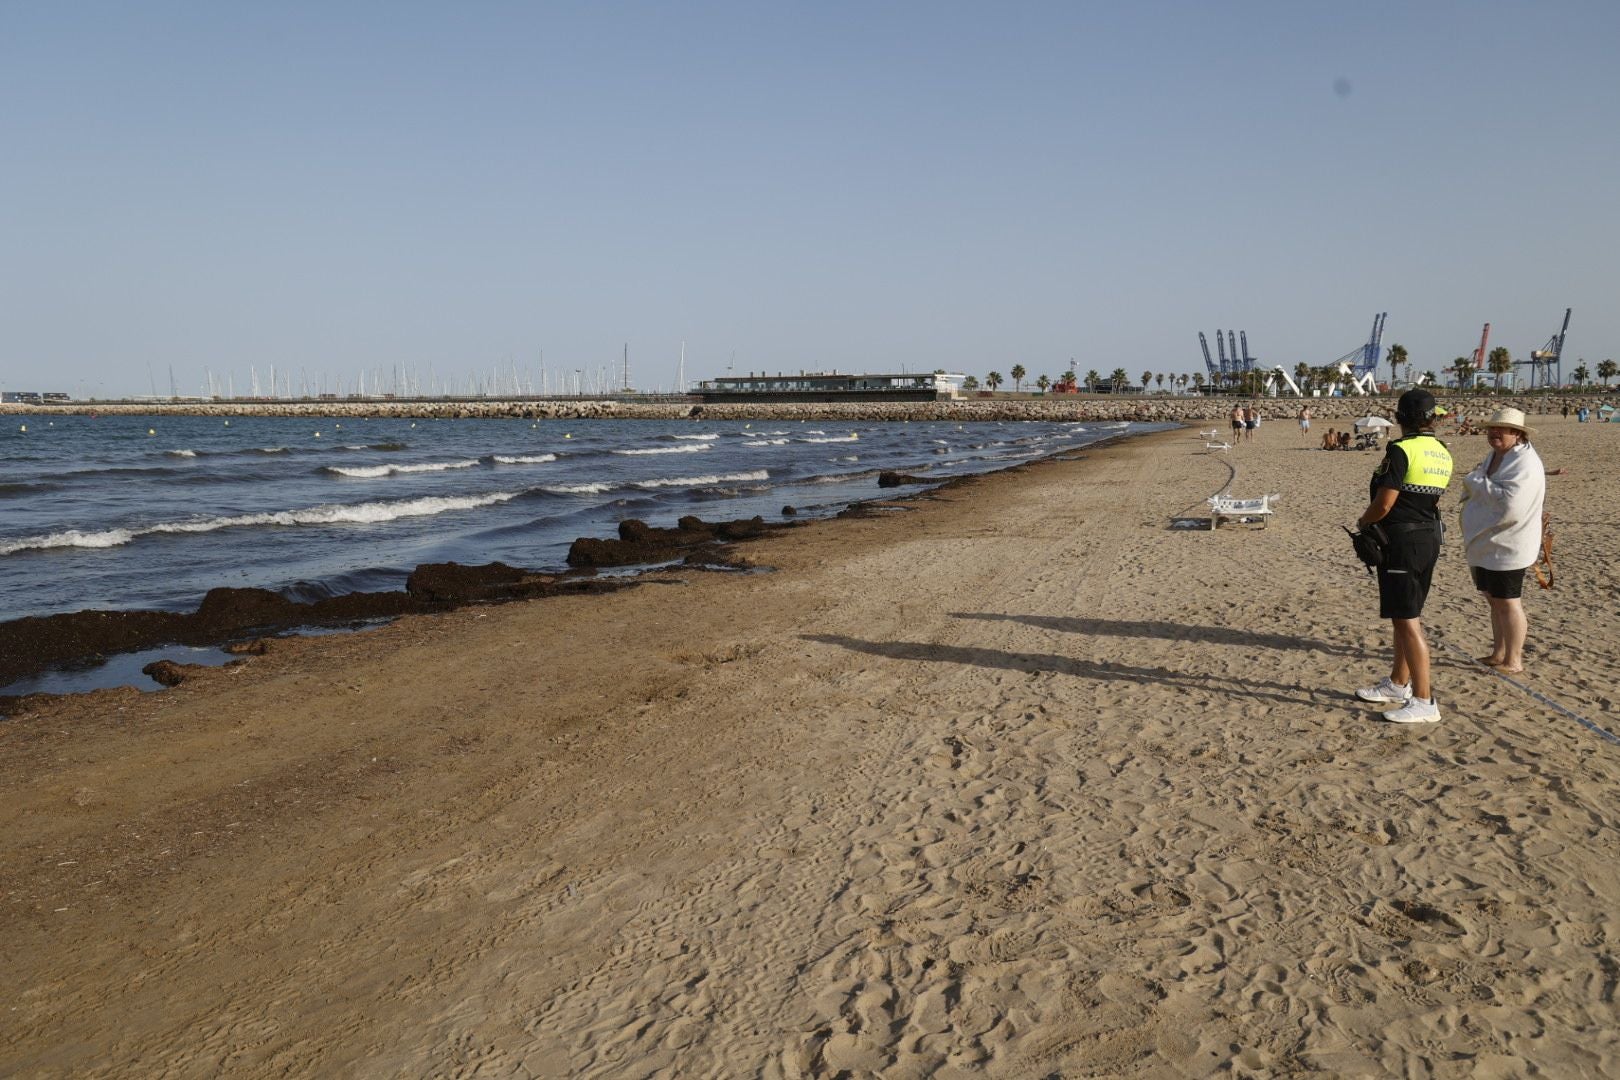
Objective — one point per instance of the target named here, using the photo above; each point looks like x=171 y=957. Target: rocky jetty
x=1145 y=408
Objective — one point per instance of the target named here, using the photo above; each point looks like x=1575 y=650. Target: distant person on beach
x=1566 y=410
x=1501 y=525
x=1403 y=510
x=1251 y=420
x=1237 y=423
x=1330 y=441
x=1305 y=421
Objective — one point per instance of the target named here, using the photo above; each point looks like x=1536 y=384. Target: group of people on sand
x=1245 y=422
x=1335 y=440
x=1502 y=526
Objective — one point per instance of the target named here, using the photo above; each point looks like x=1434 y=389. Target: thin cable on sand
x=1538 y=695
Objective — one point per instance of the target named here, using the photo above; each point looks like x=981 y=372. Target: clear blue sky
x=338 y=186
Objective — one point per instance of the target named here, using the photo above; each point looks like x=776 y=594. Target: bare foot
x=1509 y=670
x=1489 y=661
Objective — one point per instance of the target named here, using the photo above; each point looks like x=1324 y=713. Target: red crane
x=1479 y=353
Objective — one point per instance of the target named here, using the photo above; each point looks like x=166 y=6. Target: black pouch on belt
x=1369 y=544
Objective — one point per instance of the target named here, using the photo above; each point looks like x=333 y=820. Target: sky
x=451 y=190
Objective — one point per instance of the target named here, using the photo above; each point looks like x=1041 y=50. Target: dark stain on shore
x=36 y=644
x=1168 y=631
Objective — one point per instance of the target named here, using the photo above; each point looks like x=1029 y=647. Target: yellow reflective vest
x=1428 y=464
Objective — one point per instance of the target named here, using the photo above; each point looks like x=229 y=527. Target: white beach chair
x=1210 y=434
x=1221 y=506
x=1217 y=446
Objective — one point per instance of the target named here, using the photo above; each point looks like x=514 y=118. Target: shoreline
x=1025 y=780
x=251 y=617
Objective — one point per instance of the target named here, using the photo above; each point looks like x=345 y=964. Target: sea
x=150 y=512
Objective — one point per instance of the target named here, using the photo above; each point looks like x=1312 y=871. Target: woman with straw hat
x=1501 y=524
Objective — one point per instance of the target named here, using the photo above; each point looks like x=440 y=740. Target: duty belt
x=1412 y=526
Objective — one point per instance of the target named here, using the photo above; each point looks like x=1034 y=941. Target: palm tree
x=1500 y=362
x=993 y=379
x=1582 y=375
x=1092 y=379
x=1043 y=382
x=1118 y=378
x=970 y=383
x=1068 y=376
x=1607 y=371
x=1181 y=380
x=1302 y=374
x=1147 y=377
x=1159 y=380
x=1429 y=377
x=1018 y=374
x=1462 y=367
x=1396 y=357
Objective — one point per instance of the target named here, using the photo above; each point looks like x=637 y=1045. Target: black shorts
x=1501 y=584
x=1408 y=569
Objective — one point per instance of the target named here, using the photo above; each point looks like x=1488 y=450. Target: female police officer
x=1405 y=505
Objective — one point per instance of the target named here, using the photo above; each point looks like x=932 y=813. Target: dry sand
x=1021 y=782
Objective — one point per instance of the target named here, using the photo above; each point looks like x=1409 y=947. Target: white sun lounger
x=1210 y=434
x=1222 y=507
x=1217 y=446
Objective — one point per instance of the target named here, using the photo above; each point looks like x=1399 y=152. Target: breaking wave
x=702 y=481
x=371 y=472
x=368 y=513
x=693 y=449
x=523 y=459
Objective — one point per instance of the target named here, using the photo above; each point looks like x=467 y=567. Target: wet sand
x=1020 y=781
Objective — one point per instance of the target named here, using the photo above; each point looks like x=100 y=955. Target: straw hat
x=1510 y=418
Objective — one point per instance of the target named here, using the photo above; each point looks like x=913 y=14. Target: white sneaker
x=1386 y=690
x=1415 y=711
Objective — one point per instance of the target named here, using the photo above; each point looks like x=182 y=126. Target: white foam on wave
x=766 y=442
x=69 y=538
x=369 y=513
x=836 y=438
x=524 y=459
x=693 y=449
x=371 y=472
x=181 y=453
x=271 y=450
x=710 y=435
x=577 y=489
x=704 y=481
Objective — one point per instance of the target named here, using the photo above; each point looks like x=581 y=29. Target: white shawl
x=1501 y=514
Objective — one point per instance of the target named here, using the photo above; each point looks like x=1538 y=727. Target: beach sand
x=1020 y=781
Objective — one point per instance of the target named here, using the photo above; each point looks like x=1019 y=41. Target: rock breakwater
x=1143 y=409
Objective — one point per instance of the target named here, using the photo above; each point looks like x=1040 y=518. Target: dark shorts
x=1501 y=584
x=1237 y=425
x=1251 y=424
x=1403 y=580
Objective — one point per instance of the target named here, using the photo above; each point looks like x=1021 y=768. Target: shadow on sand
x=1169 y=631
x=1085 y=669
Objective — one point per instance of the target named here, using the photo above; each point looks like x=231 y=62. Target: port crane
x=1548 y=360
x=1359 y=366
x=1229 y=367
